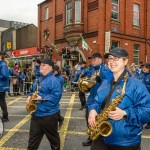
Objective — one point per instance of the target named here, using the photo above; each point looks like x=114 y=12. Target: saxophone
x=32 y=106
x=103 y=127
x=86 y=83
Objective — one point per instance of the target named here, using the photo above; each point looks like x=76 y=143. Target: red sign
x=25 y=51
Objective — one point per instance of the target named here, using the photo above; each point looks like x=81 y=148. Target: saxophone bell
x=86 y=83
x=32 y=106
x=105 y=128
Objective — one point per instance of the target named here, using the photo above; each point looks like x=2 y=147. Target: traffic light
x=64 y=52
x=68 y=53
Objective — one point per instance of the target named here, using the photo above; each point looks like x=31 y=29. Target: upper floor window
x=136 y=54
x=136 y=12
x=46 y=13
x=115 y=9
x=115 y=44
x=78 y=11
x=68 y=13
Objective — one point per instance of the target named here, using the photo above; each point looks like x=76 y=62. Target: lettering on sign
x=24 y=52
x=107 y=41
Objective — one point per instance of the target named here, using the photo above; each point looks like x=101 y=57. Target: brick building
x=103 y=24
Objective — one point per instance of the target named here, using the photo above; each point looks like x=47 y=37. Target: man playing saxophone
x=131 y=112
x=98 y=73
x=44 y=119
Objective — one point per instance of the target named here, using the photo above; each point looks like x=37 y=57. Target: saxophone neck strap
x=112 y=88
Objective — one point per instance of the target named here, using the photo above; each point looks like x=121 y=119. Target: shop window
x=69 y=13
x=46 y=13
x=78 y=11
x=136 y=54
x=136 y=12
x=115 y=9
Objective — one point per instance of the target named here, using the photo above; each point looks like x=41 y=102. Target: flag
x=85 y=45
x=55 y=46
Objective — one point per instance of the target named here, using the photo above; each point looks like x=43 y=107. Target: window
x=136 y=12
x=68 y=13
x=114 y=44
x=3 y=46
x=115 y=9
x=46 y=13
x=136 y=54
x=78 y=11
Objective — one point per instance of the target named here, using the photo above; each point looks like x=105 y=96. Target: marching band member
x=60 y=78
x=4 y=86
x=129 y=115
x=37 y=73
x=80 y=74
x=45 y=119
x=104 y=73
x=145 y=77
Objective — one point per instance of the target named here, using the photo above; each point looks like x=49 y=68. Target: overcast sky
x=19 y=10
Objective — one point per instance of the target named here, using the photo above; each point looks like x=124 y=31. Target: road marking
x=67 y=102
x=9 y=148
x=63 y=130
x=61 y=108
x=17 y=115
x=18 y=106
x=16 y=128
x=145 y=137
x=13 y=101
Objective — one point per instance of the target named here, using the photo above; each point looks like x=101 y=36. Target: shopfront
x=24 y=56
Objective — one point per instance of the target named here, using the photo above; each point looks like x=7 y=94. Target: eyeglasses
x=109 y=59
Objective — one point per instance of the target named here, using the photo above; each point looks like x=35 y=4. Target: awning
x=26 y=52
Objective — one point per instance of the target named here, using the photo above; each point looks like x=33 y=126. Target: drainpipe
x=146 y=11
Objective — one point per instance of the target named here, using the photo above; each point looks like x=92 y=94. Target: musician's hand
x=27 y=101
x=117 y=114
x=91 y=119
x=37 y=99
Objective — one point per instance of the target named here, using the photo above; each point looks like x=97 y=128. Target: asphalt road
x=72 y=133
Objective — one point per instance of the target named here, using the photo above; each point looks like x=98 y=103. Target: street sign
x=8 y=45
x=107 y=41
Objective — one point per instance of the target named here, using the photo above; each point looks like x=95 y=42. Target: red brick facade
x=95 y=21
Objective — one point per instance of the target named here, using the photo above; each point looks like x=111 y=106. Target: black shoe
x=4 y=119
x=61 y=122
x=87 y=143
x=147 y=126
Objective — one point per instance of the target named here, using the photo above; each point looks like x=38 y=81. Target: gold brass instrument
x=86 y=83
x=103 y=127
x=32 y=106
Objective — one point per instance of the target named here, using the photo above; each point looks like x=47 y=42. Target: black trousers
x=47 y=125
x=61 y=118
x=82 y=98
x=3 y=105
x=100 y=145
x=86 y=115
